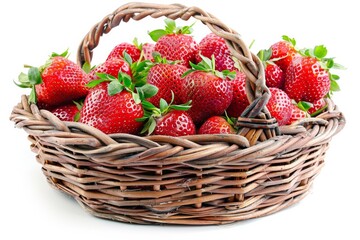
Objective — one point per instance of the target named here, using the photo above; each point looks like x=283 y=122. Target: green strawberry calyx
x=319 y=52
x=208 y=65
x=139 y=69
x=170 y=28
x=151 y=112
x=33 y=77
x=124 y=82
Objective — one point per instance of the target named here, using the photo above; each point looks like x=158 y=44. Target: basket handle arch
x=256 y=122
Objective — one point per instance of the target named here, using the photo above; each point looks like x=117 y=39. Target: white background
x=31 y=30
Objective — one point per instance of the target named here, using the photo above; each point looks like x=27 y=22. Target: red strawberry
x=148 y=49
x=239 y=101
x=306 y=80
x=209 y=91
x=296 y=114
x=167 y=77
x=131 y=49
x=173 y=43
x=279 y=106
x=212 y=44
x=283 y=52
x=112 y=66
x=175 y=123
x=216 y=125
x=317 y=106
x=57 y=82
x=68 y=112
x=274 y=76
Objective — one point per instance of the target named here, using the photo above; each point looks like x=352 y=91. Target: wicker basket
x=194 y=180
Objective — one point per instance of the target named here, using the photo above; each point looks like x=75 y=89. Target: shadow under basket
x=191 y=180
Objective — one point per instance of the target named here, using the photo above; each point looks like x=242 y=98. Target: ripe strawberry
x=317 y=107
x=173 y=43
x=239 y=101
x=169 y=119
x=283 y=52
x=216 y=125
x=68 y=112
x=274 y=76
x=167 y=77
x=57 y=82
x=175 y=123
x=296 y=114
x=131 y=49
x=279 y=106
x=209 y=91
x=148 y=49
x=112 y=106
x=212 y=44
x=111 y=66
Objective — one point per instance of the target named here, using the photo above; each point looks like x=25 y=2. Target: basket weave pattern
x=194 y=180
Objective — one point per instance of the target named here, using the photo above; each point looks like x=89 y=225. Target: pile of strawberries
x=179 y=87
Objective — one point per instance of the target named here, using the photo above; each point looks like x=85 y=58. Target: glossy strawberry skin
x=212 y=44
x=175 y=123
x=274 y=76
x=111 y=114
x=239 y=101
x=177 y=47
x=112 y=66
x=167 y=77
x=131 y=49
x=66 y=112
x=210 y=95
x=216 y=125
x=284 y=52
x=296 y=114
x=279 y=106
x=306 y=80
x=62 y=82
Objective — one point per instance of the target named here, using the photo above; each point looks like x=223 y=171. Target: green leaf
x=180 y=107
x=32 y=96
x=105 y=76
x=148 y=105
x=114 y=87
x=156 y=34
x=64 y=54
x=170 y=25
x=305 y=106
x=34 y=76
x=334 y=77
x=320 y=51
x=127 y=58
x=126 y=80
x=163 y=105
x=78 y=105
x=136 y=97
x=208 y=63
x=152 y=126
x=339 y=66
x=149 y=90
x=334 y=86
x=329 y=63
x=77 y=117
x=229 y=74
x=289 y=40
x=187 y=72
x=96 y=82
x=23 y=78
x=86 y=67
x=265 y=54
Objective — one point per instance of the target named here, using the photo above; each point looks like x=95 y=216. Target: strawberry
x=174 y=44
x=279 y=106
x=208 y=89
x=296 y=114
x=216 y=125
x=169 y=119
x=112 y=67
x=317 y=107
x=239 y=101
x=167 y=77
x=148 y=49
x=283 y=52
x=57 y=82
x=274 y=76
x=212 y=44
x=112 y=105
x=131 y=49
x=68 y=112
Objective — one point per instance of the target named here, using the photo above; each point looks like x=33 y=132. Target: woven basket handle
x=257 y=92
